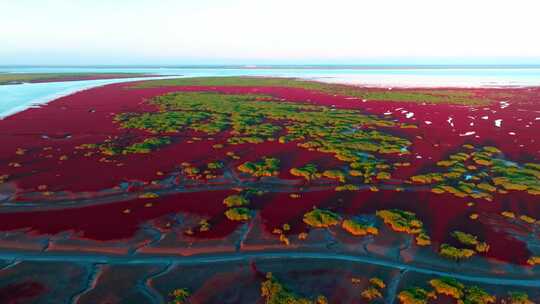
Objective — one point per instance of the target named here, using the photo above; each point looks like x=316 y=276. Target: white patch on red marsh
x=468 y=133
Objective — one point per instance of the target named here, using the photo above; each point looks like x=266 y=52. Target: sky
x=177 y=32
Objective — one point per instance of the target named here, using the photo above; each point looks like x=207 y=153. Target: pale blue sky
x=269 y=31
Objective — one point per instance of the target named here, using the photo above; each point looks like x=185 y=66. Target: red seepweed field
x=436 y=179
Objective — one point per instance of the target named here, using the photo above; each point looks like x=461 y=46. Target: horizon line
x=283 y=66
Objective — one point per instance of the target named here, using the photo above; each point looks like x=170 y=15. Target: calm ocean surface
x=15 y=98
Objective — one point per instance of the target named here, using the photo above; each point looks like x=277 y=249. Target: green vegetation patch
x=266 y=167
x=377 y=282
x=470 y=240
x=476 y=295
x=481 y=172
x=415 y=295
x=17 y=78
x=410 y=95
x=347 y=187
x=238 y=203
x=274 y=292
x=159 y=122
x=215 y=165
x=334 y=174
x=308 y=172
x=236 y=200
x=455 y=253
x=517 y=297
x=179 y=296
x=405 y=221
x=357 y=228
x=371 y=293
x=348 y=135
x=238 y=214
x=146 y=146
x=115 y=147
x=449 y=287
x=321 y=218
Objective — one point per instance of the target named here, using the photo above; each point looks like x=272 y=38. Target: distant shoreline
x=291 y=66
x=21 y=78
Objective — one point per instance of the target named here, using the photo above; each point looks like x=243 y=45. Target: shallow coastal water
x=15 y=98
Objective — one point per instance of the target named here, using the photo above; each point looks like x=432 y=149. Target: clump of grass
x=358 y=229
x=238 y=214
x=455 y=253
x=517 y=297
x=266 y=167
x=235 y=200
x=308 y=172
x=321 y=218
x=470 y=240
x=275 y=292
x=405 y=221
x=415 y=295
x=179 y=296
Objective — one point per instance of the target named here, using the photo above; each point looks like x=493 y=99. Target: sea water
x=16 y=98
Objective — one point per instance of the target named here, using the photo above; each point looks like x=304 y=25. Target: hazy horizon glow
x=268 y=32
